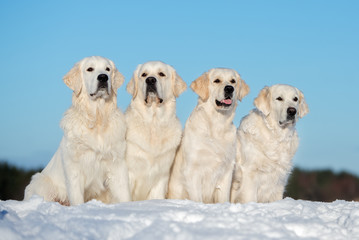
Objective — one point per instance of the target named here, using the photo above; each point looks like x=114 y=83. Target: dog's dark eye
x=107 y=69
x=279 y=99
x=217 y=81
x=162 y=74
x=90 y=69
x=144 y=74
x=295 y=99
x=233 y=81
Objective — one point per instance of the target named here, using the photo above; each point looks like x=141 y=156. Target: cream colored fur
x=154 y=131
x=89 y=162
x=204 y=163
x=267 y=142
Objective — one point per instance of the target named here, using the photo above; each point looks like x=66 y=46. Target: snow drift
x=179 y=219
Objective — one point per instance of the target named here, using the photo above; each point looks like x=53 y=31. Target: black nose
x=228 y=89
x=151 y=80
x=102 y=78
x=291 y=111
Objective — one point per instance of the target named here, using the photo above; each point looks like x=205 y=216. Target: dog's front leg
x=159 y=191
x=236 y=184
x=119 y=183
x=74 y=181
x=223 y=190
x=277 y=194
x=194 y=187
x=248 y=191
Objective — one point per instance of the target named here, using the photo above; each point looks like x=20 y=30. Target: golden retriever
x=267 y=142
x=204 y=163
x=89 y=162
x=153 y=129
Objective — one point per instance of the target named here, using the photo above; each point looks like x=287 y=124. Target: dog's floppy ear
x=178 y=85
x=200 y=86
x=117 y=78
x=243 y=90
x=303 y=107
x=262 y=102
x=73 y=79
x=132 y=86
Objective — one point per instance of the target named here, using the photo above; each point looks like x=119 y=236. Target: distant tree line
x=319 y=185
x=322 y=185
x=13 y=181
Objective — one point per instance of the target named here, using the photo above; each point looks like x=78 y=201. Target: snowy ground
x=176 y=219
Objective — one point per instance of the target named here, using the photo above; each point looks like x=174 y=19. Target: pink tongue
x=227 y=101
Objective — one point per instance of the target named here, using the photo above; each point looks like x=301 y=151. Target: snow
x=179 y=219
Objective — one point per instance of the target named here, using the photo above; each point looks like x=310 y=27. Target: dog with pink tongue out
x=204 y=163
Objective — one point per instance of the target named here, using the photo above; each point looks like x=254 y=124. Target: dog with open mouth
x=153 y=129
x=204 y=163
x=267 y=142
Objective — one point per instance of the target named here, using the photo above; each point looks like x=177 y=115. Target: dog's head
x=222 y=87
x=283 y=103
x=155 y=82
x=96 y=76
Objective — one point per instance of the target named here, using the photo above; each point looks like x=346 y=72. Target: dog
x=153 y=129
x=267 y=142
x=89 y=162
x=204 y=163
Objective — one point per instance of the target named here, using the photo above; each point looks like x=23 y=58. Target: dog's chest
x=106 y=142
x=281 y=147
x=101 y=144
x=154 y=134
x=98 y=144
x=218 y=144
x=98 y=139
x=274 y=144
x=226 y=146
x=273 y=154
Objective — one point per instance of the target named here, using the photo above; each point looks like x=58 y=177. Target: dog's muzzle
x=228 y=91
x=102 y=87
x=228 y=95
x=102 y=81
x=151 y=85
x=151 y=91
x=291 y=112
x=290 y=120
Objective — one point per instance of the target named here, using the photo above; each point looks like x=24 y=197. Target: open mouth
x=227 y=102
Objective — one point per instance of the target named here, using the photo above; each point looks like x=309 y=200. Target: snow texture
x=179 y=219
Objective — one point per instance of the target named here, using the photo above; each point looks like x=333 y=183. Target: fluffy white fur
x=154 y=131
x=204 y=163
x=89 y=162
x=267 y=142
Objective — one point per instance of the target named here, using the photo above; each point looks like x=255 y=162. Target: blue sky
x=313 y=45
